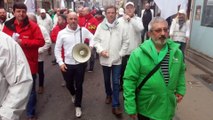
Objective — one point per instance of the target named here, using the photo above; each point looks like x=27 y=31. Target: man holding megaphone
x=75 y=57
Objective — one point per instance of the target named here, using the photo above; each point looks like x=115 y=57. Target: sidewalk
x=198 y=101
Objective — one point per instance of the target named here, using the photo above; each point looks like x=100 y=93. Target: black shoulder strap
x=150 y=74
x=81 y=34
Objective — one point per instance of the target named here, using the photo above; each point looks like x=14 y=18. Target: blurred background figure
x=180 y=29
x=3 y=17
x=146 y=15
x=41 y=51
x=120 y=12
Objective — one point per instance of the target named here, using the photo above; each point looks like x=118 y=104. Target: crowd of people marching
x=141 y=55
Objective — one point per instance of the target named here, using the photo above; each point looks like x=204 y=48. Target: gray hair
x=32 y=17
x=156 y=20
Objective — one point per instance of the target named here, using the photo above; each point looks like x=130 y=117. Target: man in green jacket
x=158 y=98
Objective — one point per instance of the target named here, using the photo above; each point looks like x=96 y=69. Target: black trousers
x=141 y=117
x=92 y=59
x=123 y=67
x=74 y=77
x=41 y=73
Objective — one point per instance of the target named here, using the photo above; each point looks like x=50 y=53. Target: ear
x=149 y=33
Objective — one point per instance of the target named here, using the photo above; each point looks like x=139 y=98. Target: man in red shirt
x=28 y=35
x=60 y=25
x=81 y=17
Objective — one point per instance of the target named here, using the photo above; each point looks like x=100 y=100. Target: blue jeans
x=115 y=70
x=31 y=106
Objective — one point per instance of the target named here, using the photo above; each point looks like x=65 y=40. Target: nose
x=163 y=32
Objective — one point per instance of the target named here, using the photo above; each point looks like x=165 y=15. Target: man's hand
x=187 y=39
x=104 y=54
x=179 y=98
x=133 y=116
x=19 y=41
x=63 y=68
x=126 y=17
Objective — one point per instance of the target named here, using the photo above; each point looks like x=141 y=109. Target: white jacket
x=179 y=35
x=15 y=79
x=47 y=23
x=68 y=39
x=134 y=27
x=114 y=40
x=47 y=44
x=1 y=26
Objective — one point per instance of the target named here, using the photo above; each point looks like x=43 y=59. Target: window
x=207 y=17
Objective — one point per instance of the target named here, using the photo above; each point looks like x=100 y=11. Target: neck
x=111 y=22
x=131 y=15
x=158 y=47
x=18 y=21
x=72 y=28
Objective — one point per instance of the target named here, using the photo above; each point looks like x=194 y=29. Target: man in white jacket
x=134 y=25
x=15 y=79
x=180 y=29
x=73 y=70
x=44 y=20
x=111 y=42
x=41 y=51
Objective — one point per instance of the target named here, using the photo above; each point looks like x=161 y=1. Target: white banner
x=170 y=7
x=62 y=5
x=30 y=5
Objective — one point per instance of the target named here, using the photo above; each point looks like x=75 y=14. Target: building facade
x=200 y=45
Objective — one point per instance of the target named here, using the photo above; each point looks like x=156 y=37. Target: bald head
x=72 y=20
x=32 y=17
x=72 y=15
x=86 y=10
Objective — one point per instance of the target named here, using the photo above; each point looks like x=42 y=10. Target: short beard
x=181 y=23
x=2 y=19
x=161 y=41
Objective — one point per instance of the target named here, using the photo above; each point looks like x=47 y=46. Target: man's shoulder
x=33 y=24
x=63 y=31
x=6 y=40
x=120 y=19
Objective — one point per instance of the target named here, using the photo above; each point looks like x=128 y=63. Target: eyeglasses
x=160 y=30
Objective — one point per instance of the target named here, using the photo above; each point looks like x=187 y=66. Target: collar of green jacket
x=148 y=48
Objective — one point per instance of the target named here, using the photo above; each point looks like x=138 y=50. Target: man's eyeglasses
x=160 y=30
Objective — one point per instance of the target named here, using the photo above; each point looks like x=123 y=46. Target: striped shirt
x=165 y=68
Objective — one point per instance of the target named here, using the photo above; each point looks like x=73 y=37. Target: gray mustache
x=162 y=37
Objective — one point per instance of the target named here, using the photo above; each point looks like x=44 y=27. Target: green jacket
x=155 y=100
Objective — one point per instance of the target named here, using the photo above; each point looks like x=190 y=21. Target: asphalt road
x=55 y=103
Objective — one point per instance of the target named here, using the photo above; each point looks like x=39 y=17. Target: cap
x=182 y=11
x=129 y=3
x=121 y=11
x=42 y=11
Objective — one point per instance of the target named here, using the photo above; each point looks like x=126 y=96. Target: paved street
x=55 y=103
